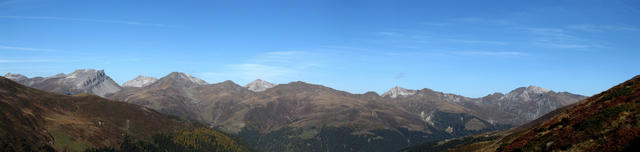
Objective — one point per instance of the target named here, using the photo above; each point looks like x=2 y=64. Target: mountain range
x=300 y=116
x=34 y=120
x=604 y=122
x=80 y=81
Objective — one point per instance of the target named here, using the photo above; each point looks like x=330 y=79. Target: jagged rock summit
x=140 y=81
x=399 y=92
x=79 y=81
x=15 y=77
x=526 y=93
x=532 y=102
x=259 y=85
x=537 y=89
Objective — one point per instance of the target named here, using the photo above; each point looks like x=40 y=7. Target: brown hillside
x=34 y=120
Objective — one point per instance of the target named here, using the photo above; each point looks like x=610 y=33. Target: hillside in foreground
x=34 y=120
x=609 y=121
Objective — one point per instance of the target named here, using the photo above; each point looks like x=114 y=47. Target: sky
x=470 y=48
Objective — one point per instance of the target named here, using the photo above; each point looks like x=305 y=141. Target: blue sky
x=471 y=48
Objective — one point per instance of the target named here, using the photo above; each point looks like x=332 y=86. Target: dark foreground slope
x=34 y=120
x=609 y=121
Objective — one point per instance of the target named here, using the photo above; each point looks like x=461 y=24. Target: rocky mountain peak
x=86 y=73
x=83 y=78
x=79 y=81
x=91 y=80
x=15 y=77
x=229 y=84
x=305 y=85
x=537 y=89
x=259 y=85
x=185 y=77
x=300 y=86
x=140 y=81
x=398 y=91
x=371 y=94
x=59 y=75
x=527 y=92
x=545 y=100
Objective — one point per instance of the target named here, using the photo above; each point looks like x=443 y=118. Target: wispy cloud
x=83 y=20
x=344 y=48
x=489 y=53
x=271 y=66
x=550 y=32
x=26 y=60
x=435 y=23
x=564 y=46
x=483 y=20
x=478 y=42
x=404 y=54
x=388 y=33
x=559 y=38
x=603 y=28
x=8 y=2
x=29 y=71
x=283 y=57
x=15 y=48
x=249 y=71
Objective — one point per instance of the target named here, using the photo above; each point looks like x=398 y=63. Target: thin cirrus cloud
x=418 y=38
x=478 y=42
x=270 y=66
x=26 y=60
x=8 y=2
x=246 y=72
x=468 y=21
x=603 y=28
x=489 y=53
x=559 y=38
x=15 y=48
x=435 y=23
x=483 y=21
x=82 y=20
x=388 y=33
x=283 y=57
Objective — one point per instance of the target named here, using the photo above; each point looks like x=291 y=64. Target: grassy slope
x=609 y=121
x=34 y=120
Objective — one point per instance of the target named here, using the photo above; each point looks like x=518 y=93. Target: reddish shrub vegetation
x=600 y=123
